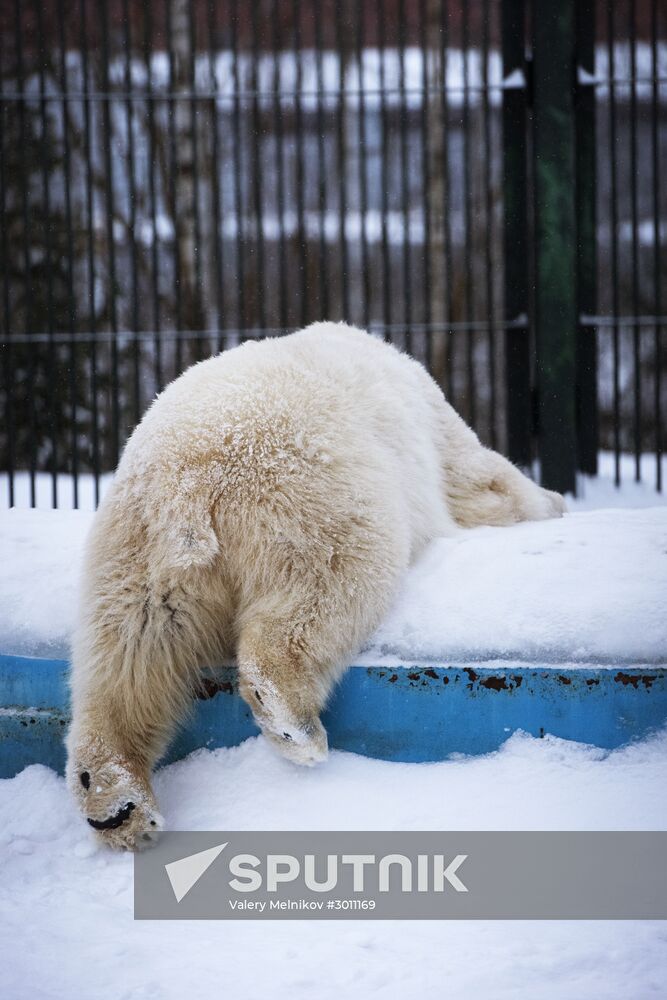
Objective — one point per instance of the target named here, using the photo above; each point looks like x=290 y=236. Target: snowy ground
x=66 y=926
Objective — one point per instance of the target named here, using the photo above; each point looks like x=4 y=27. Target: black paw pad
x=286 y=736
x=84 y=778
x=113 y=822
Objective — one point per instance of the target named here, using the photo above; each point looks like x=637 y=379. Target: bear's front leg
x=113 y=791
x=132 y=675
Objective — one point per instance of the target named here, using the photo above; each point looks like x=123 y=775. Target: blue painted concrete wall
x=403 y=713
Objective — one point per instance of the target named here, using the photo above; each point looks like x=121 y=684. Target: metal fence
x=630 y=87
x=478 y=182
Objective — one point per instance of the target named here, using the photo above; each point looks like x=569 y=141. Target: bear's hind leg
x=285 y=691
x=483 y=488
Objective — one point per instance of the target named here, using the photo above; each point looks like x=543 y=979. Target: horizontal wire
x=248 y=333
x=209 y=95
x=612 y=321
x=290 y=95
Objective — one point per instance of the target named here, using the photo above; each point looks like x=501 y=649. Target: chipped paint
x=494 y=683
x=635 y=680
x=413 y=713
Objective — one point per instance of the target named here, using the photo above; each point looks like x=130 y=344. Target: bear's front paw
x=131 y=827
x=118 y=806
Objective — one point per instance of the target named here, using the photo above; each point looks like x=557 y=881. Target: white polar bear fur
x=267 y=506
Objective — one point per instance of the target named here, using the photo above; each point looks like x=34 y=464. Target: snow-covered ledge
x=589 y=588
x=558 y=626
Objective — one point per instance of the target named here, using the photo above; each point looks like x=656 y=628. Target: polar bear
x=266 y=507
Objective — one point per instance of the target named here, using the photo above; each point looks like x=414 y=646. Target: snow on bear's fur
x=266 y=507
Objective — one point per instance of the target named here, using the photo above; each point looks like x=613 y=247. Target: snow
x=588 y=588
x=66 y=926
x=42 y=552
x=600 y=492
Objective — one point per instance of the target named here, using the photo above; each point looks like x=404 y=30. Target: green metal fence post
x=555 y=239
x=587 y=393
x=515 y=186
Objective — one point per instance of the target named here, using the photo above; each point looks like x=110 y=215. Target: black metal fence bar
x=555 y=241
x=614 y=242
x=322 y=201
x=7 y=356
x=132 y=213
x=90 y=259
x=632 y=24
x=515 y=245
x=489 y=243
x=23 y=197
x=426 y=187
x=446 y=221
x=586 y=264
x=300 y=175
x=384 y=157
x=152 y=195
x=108 y=168
x=48 y=245
x=657 y=259
x=405 y=179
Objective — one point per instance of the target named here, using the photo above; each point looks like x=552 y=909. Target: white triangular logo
x=185 y=872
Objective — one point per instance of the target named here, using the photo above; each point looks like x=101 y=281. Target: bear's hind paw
x=304 y=744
